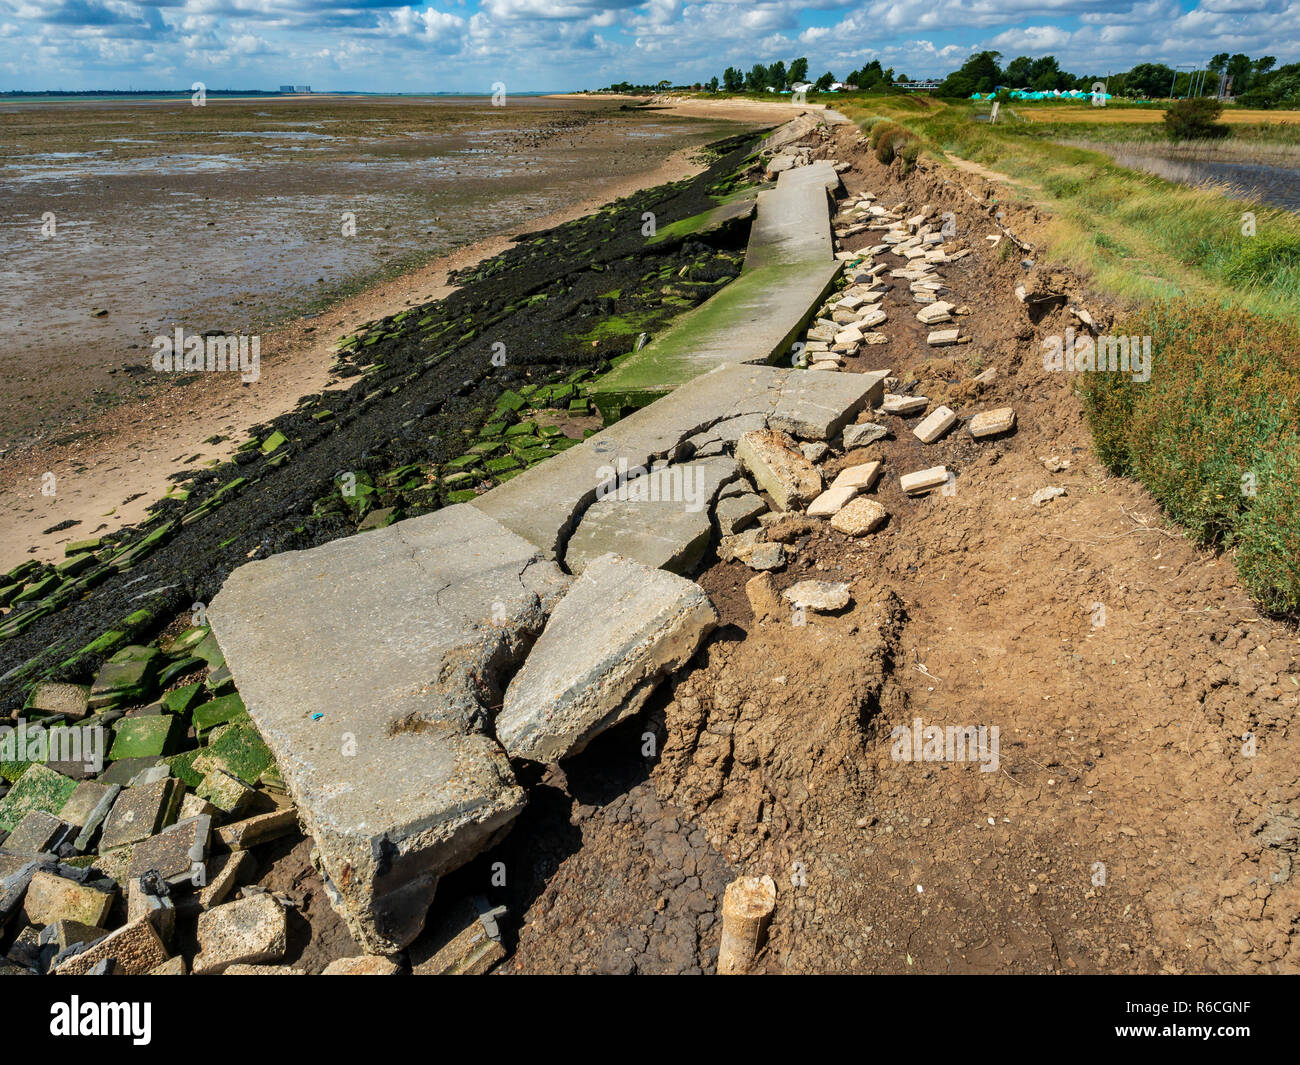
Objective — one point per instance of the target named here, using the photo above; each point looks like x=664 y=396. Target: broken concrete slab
x=859 y=517
x=225 y=872
x=141 y=811
x=39 y=788
x=55 y=698
x=467 y=942
x=831 y=501
x=620 y=629
x=818 y=408
x=660 y=518
x=923 y=480
x=84 y=800
x=133 y=949
x=175 y=853
x=822 y=597
x=53 y=898
x=248 y=931
x=367 y=665
x=861 y=477
x=778 y=467
x=37 y=832
x=935 y=424
x=992 y=422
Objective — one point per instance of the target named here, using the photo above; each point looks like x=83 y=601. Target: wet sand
x=111 y=466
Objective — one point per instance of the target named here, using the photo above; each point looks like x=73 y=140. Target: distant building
x=286 y=88
x=302 y=88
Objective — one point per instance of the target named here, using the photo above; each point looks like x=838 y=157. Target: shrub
x=1214 y=435
x=1193 y=119
x=889 y=139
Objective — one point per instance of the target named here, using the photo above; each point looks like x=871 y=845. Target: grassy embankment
x=1215 y=434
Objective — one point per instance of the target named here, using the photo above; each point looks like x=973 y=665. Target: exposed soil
x=1126 y=827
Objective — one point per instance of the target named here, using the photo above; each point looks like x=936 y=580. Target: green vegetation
x=1195 y=118
x=1215 y=435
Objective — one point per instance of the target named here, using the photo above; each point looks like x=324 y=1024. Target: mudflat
x=126 y=220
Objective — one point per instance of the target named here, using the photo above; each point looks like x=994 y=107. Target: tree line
x=1253 y=82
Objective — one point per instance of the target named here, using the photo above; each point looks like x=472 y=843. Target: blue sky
x=466 y=45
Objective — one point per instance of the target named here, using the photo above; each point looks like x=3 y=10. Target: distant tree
x=1194 y=119
x=1264 y=64
x=733 y=79
x=1017 y=72
x=825 y=82
x=713 y=83
x=798 y=70
x=776 y=75
x=1219 y=63
x=1149 y=80
x=1239 y=70
x=757 y=78
x=980 y=73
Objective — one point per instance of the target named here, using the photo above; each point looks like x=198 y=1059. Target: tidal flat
x=126 y=219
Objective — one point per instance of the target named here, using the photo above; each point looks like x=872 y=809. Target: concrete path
x=789 y=266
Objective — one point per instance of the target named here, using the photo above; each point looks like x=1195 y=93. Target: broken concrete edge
x=390 y=810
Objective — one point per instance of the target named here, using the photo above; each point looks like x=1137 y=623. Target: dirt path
x=108 y=470
x=1144 y=810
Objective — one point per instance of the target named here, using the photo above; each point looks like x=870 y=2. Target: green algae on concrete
x=756 y=317
x=711 y=221
x=39 y=788
x=146 y=736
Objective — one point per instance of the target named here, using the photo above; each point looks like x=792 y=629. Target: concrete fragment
x=861 y=477
x=761 y=556
x=831 y=500
x=819 y=596
x=53 y=898
x=747 y=907
x=935 y=424
x=55 y=698
x=240 y=969
x=942 y=338
x=466 y=943
x=992 y=422
x=733 y=513
x=171 y=967
x=862 y=434
x=259 y=828
x=621 y=628
x=763 y=600
x=778 y=468
x=224 y=873
x=133 y=949
x=249 y=931
x=394 y=638
x=660 y=518
x=904 y=405
x=364 y=965
x=37 y=832
x=923 y=480
x=859 y=517
x=84 y=801
x=1046 y=495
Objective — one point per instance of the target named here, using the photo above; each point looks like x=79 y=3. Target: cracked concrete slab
x=660 y=519
x=619 y=630
x=367 y=664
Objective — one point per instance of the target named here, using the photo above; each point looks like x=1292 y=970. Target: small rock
x=1044 y=495
x=904 y=405
x=1056 y=464
x=363 y=965
x=763 y=601
x=820 y=596
x=862 y=434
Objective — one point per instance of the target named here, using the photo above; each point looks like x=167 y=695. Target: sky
x=556 y=45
